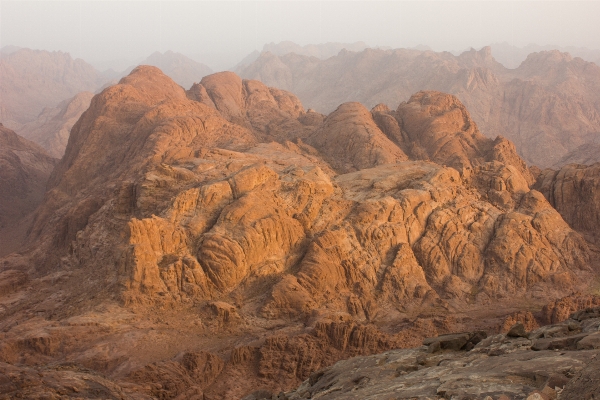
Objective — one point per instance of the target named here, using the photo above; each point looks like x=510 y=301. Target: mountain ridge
x=546 y=106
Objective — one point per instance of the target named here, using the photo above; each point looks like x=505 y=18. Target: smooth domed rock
x=548 y=105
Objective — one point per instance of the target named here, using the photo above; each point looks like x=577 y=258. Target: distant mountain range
x=548 y=106
x=512 y=56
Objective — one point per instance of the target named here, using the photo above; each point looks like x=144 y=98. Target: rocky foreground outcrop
x=217 y=240
x=554 y=361
x=548 y=106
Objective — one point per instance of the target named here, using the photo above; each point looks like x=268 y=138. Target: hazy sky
x=100 y=31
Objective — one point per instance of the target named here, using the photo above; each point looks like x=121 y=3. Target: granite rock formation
x=555 y=361
x=223 y=239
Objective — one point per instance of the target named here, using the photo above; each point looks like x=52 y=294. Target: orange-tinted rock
x=350 y=140
x=559 y=310
x=548 y=106
x=273 y=114
x=436 y=126
x=175 y=225
x=526 y=318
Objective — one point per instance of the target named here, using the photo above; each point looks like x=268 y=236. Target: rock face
x=548 y=106
x=494 y=367
x=34 y=79
x=52 y=127
x=226 y=233
x=271 y=114
x=25 y=168
x=574 y=190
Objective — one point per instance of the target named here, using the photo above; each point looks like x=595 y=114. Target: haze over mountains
x=34 y=79
x=512 y=56
x=205 y=235
x=548 y=105
x=44 y=93
x=24 y=171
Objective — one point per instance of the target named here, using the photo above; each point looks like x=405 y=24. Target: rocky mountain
x=35 y=79
x=213 y=242
x=178 y=67
x=547 y=106
x=24 y=171
x=45 y=93
x=52 y=127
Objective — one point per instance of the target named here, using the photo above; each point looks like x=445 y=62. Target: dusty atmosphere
x=299 y=200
